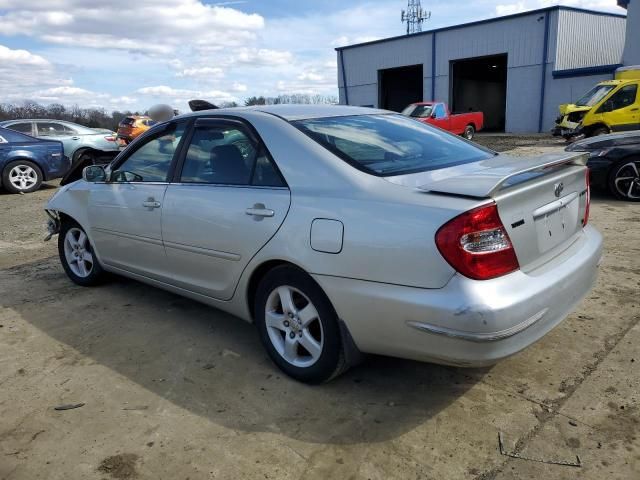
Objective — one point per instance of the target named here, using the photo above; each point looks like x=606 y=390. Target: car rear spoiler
x=500 y=172
x=199 y=105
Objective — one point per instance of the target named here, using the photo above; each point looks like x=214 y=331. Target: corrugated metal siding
x=588 y=40
x=364 y=62
x=521 y=38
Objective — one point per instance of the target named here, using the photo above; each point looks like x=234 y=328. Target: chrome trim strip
x=554 y=206
x=203 y=251
x=153 y=241
x=479 y=337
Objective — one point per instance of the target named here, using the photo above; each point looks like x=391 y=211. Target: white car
x=340 y=231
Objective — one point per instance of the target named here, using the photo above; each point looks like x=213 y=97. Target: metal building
x=517 y=69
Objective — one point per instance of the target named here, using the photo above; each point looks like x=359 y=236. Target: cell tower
x=414 y=16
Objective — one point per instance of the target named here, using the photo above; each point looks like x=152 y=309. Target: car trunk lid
x=541 y=200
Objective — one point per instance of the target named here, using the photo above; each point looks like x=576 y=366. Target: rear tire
x=469 y=132
x=298 y=326
x=624 y=180
x=22 y=176
x=77 y=255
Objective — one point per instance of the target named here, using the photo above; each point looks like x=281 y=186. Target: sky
x=131 y=54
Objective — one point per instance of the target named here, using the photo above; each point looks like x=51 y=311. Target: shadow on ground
x=213 y=364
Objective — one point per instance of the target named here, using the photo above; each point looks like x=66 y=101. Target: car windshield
x=418 y=111
x=390 y=144
x=594 y=95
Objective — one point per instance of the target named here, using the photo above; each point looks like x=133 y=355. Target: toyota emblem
x=557 y=189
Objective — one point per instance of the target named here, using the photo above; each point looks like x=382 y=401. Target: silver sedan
x=340 y=231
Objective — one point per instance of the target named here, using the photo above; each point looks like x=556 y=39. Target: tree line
x=101 y=118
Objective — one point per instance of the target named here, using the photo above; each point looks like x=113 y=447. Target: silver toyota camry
x=340 y=231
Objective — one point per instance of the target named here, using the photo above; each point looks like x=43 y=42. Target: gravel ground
x=172 y=389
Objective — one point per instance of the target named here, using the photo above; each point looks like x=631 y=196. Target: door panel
x=125 y=213
x=125 y=231
x=209 y=237
x=624 y=104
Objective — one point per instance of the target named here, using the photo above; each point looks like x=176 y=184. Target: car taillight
x=110 y=138
x=588 y=204
x=476 y=244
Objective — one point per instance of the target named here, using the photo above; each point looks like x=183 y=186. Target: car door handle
x=259 y=210
x=75 y=138
x=151 y=204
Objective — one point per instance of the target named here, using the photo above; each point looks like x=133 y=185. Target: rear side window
x=387 y=144
x=22 y=127
x=52 y=129
x=224 y=155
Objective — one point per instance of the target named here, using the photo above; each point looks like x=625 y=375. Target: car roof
x=633 y=136
x=294 y=112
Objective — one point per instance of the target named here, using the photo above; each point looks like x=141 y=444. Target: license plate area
x=557 y=221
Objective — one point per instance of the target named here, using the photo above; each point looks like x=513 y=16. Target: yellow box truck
x=610 y=106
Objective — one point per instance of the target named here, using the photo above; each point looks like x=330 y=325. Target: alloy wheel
x=627 y=181
x=77 y=251
x=23 y=177
x=294 y=327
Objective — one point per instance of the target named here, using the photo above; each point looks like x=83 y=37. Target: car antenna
x=197 y=105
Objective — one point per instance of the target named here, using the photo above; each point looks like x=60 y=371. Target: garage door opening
x=480 y=84
x=398 y=87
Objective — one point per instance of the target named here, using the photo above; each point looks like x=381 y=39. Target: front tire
x=22 y=176
x=78 y=256
x=298 y=326
x=624 y=180
x=469 y=132
x=599 y=131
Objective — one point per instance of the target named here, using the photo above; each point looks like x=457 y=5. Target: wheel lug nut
x=292 y=335
x=300 y=333
x=286 y=323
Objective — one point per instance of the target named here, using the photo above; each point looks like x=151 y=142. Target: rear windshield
x=126 y=122
x=390 y=144
x=418 y=111
x=9 y=136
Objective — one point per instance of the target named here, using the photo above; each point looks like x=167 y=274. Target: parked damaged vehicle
x=340 y=231
x=26 y=162
x=614 y=163
x=81 y=144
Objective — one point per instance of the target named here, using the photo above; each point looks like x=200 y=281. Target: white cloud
x=146 y=26
x=261 y=56
x=201 y=72
x=524 y=5
x=20 y=57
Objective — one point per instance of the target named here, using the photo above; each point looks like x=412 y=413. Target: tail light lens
x=476 y=244
x=585 y=220
x=110 y=138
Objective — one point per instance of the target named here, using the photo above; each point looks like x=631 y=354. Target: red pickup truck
x=438 y=114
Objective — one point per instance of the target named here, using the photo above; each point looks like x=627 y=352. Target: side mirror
x=94 y=173
x=433 y=115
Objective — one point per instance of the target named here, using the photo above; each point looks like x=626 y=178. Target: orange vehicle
x=132 y=126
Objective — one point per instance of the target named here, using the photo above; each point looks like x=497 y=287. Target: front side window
x=390 y=144
x=151 y=161
x=22 y=127
x=52 y=129
x=624 y=97
x=220 y=154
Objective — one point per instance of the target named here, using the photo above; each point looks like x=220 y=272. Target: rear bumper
x=468 y=322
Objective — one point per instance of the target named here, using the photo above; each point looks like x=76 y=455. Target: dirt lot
x=176 y=390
